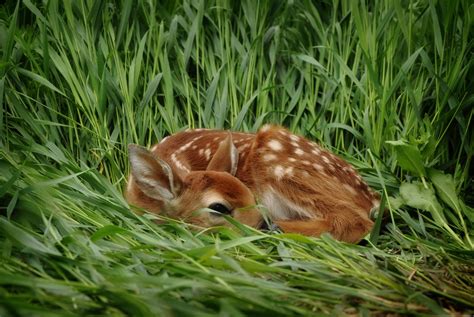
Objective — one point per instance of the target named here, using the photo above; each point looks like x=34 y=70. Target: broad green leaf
x=446 y=189
x=396 y=202
x=417 y=196
x=408 y=157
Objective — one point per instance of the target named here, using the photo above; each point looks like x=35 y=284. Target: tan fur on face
x=207 y=184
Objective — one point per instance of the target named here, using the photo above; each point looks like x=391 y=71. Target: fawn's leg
x=311 y=227
x=349 y=229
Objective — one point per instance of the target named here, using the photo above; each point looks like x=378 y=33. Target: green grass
x=386 y=84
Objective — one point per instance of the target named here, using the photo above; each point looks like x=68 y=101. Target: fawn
x=305 y=188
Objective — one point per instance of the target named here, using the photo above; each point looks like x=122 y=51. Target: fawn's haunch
x=305 y=188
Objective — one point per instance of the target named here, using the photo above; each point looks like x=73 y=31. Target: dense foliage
x=385 y=84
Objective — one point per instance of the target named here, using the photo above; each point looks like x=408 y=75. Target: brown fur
x=306 y=189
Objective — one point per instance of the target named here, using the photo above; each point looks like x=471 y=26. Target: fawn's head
x=160 y=187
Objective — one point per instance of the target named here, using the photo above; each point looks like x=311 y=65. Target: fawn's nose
x=249 y=216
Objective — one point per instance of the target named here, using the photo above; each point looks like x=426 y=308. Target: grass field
x=385 y=84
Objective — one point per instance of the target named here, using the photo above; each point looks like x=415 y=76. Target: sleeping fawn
x=304 y=188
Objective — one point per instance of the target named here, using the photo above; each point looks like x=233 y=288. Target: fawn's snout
x=209 y=195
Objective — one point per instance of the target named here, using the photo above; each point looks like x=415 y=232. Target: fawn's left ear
x=226 y=157
x=153 y=175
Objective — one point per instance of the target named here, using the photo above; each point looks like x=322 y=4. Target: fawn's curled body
x=304 y=188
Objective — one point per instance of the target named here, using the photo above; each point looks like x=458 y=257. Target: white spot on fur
x=350 y=189
x=174 y=158
x=244 y=146
x=153 y=149
x=184 y=147
x=348 y=169
x=307 y=163
x=292 y=159
x=269 y=157
x=316 y=151
x=178 y=163
x=279 y=171
x=275 y=145
x=299 y=151
x=326 y=160
x=207 y=153
x=164 y=139
x=294 y=138
x=318 y=167
x=265 y=128
x=201 y=152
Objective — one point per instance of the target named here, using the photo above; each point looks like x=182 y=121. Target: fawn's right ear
x=226 y=157
x=154 y=177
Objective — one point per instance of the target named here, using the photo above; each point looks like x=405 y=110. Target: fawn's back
x=304 y=188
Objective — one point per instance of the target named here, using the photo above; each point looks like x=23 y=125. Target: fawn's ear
x=226 y=157
x=153 y=176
